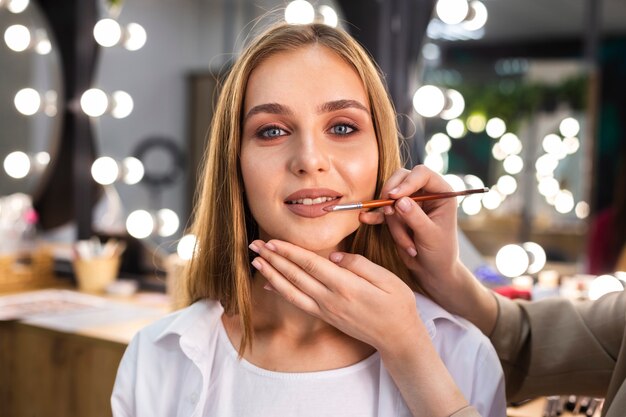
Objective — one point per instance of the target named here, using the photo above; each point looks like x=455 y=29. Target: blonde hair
x=223 y=225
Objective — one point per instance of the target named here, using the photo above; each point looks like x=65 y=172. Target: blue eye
x=342 y=129
x=271 y=132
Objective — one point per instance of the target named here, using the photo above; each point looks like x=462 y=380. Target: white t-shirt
x=185 y=365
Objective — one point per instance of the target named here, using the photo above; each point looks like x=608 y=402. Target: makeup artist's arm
x=426 y=236
x=371 y=304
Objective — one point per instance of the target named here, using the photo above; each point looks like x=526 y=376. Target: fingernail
x=388 y=210
x=394 y=190
x=269 y=287
x=336 y=257
x=253 y=247
x=257 y=264
x=403 y=205
x=412 y=252
x=270 y=246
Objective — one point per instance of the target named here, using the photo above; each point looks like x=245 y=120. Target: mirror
x=523 y=133
x=31 y=94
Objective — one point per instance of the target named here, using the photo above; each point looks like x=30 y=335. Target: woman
x=327 y=320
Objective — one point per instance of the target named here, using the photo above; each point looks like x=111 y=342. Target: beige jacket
x=555 y=346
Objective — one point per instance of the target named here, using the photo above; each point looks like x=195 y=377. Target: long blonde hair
x=223 y=226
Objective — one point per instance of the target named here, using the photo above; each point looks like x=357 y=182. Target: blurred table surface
x=76 y=344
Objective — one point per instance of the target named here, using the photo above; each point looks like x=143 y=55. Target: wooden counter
x=47 y=372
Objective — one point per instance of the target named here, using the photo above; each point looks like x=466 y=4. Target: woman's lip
x=311 y=210
x=313 y=193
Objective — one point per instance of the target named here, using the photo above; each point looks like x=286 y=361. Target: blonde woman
x=295 y=311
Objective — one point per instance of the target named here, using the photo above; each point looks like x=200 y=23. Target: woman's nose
x=310 y=155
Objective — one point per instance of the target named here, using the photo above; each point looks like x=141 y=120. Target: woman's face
x=308 y=142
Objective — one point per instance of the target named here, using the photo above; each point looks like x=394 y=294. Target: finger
x=402 y=235
x=393 y=181
x=420 y=178
x=291 y=271
x=362 y=267
x=371 y=217
x=285 y=288
x=422 y=226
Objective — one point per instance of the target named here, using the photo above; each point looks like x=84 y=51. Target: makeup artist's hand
x=424 y=232
x=348 y=291
x=426 y=236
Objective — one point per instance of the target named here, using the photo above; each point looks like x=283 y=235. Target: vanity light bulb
x=133 y=170
x=429 y=101
x=512 y=261
x=94 y=102
x=546 y=164
x=495 y=127
x=477 y=16
x=168 y=222
x=329 y=15
x=438 y=143
x=602 y=285
x=476 y=123
x=435 y=162
x=122 y=104
x=452 y=12
x=552 y=144
x=42 y=158
x=510 y=144
x=135 y=37
x=473 y=182
x=513 y=164
x=571 y=144
x=507 y=184
x=471 y=205
x=139 y=224
x=105 y=170
x=27 y=101
x=186 y=247
x=43 y=47
x=569 y=127
x=456 y=128
x=107 y=32
x=582 y=210
x=299 y=12
x=564 y=201
x=456 y=183
x=492 y=199
x=17 y=37
x=17 y=6
x=548 y=187
x=497 y=152
x=17 y=164
x=537 y=257
x=455 y=105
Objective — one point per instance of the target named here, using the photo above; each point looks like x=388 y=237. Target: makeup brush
x=419 y=197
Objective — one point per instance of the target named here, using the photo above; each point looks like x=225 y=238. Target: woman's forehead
x=314 y=70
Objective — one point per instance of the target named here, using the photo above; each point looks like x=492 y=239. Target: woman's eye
x=342 y=129
x=271 y=132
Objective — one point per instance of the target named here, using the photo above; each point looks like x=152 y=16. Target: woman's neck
x=288 y=339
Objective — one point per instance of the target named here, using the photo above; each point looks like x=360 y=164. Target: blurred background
x=105 y=106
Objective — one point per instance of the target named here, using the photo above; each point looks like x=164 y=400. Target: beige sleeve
x=556 y=346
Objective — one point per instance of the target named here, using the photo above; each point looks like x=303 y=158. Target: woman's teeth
x=311 y=201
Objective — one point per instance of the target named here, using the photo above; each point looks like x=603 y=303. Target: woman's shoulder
x=201 y=314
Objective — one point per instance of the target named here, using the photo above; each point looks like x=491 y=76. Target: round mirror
x=30 y=97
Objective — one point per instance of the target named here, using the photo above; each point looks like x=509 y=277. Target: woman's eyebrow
x=273 y=108
x=340 y=105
